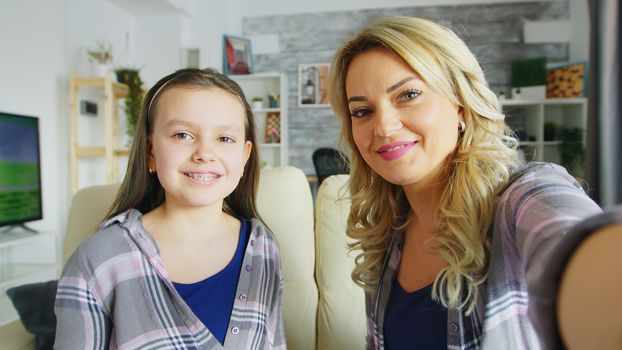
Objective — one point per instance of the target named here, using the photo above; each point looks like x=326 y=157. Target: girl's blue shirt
x=212 y=299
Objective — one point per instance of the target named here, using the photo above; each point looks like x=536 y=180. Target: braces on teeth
x=202 y=177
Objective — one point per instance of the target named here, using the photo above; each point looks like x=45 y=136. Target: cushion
x=35 y=305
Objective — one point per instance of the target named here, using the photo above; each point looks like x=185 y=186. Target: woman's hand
x=589 y=307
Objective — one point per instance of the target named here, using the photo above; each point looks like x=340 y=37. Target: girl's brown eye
x=182 y=135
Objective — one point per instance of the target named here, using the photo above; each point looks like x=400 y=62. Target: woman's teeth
x=395 y=148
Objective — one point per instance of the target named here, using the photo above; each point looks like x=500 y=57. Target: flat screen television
x=20 y=170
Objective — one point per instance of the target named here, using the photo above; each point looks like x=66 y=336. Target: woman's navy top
x=211 y=300
x=414 y=321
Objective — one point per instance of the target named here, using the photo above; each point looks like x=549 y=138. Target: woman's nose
x=388 y=121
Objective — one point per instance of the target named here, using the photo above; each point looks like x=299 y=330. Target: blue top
x=211 y=300
x=414 y=320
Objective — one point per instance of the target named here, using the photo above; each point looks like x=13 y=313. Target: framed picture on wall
x=312 y=85
x=237 y=56
x=568 y=80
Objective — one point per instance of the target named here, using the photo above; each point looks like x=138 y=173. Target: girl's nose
x=203 y=153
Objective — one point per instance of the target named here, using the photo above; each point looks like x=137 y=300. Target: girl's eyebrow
x=178 y=122
x=389 y=89
x=220 y=128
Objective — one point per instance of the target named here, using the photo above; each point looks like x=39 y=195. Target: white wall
x=32 y=64
x=579 y=31
x=158 y=45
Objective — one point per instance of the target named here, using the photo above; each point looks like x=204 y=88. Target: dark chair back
x=329 y=161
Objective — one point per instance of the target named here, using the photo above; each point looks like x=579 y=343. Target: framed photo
x=312 y=85
x=273 y=127
x=237 y=56
x=567 y=81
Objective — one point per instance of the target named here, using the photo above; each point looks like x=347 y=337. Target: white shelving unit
x=273 y=144
x=25 y=257
x=538 y=124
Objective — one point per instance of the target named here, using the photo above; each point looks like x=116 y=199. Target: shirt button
x=252 y=242
x=243 y=297
x=454 y=327
x=235 y=330
x=248 y=268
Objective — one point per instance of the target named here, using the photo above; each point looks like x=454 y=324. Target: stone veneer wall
x=493 y=32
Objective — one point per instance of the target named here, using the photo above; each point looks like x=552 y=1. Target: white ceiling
x=145 y=8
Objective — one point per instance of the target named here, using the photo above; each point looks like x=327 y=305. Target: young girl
x=182 y=260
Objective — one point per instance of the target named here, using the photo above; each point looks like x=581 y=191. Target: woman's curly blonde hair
x=477 y=169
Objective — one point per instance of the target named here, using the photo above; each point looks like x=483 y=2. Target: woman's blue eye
x=360 y=113
x=409 y=95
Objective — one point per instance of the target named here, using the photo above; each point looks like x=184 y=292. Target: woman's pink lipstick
x=395 y=150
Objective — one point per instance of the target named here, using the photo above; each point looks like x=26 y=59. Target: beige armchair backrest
x=284 y=201
x=341 y=309
x=88 y=208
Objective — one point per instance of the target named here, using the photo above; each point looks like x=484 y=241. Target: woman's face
x=403 y=129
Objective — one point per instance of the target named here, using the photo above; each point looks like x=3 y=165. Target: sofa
x=323 y=309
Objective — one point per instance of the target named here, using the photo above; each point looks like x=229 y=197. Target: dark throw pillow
x=35 y=305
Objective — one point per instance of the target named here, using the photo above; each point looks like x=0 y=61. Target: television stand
x=22 y=225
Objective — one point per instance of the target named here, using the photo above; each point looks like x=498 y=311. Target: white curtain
x=604 y=145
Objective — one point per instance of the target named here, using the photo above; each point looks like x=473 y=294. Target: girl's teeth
x=203 y=177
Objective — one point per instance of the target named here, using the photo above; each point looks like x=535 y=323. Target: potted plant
x=257 y=102
x=571 y=148
x=529 y=78
x=134 y=98
x=101 y=57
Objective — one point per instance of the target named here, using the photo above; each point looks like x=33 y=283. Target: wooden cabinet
x=550 y=130
x=270 y=116
x=111 y=92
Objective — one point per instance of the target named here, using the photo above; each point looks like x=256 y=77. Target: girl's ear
x=151 y=163
x=460 y=114
x=248 y=148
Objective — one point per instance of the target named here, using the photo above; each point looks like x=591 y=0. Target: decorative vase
x=100 y=69
x=257 y=105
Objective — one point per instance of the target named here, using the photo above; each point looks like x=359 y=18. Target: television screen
x=20 y=173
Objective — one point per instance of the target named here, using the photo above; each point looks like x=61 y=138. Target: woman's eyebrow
x=389 y=89
x=357 y=98
x=400 y=83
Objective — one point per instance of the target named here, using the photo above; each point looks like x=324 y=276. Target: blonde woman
x=463 y=246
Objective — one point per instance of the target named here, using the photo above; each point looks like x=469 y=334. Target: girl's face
x=403 y=129
x=198 y=145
